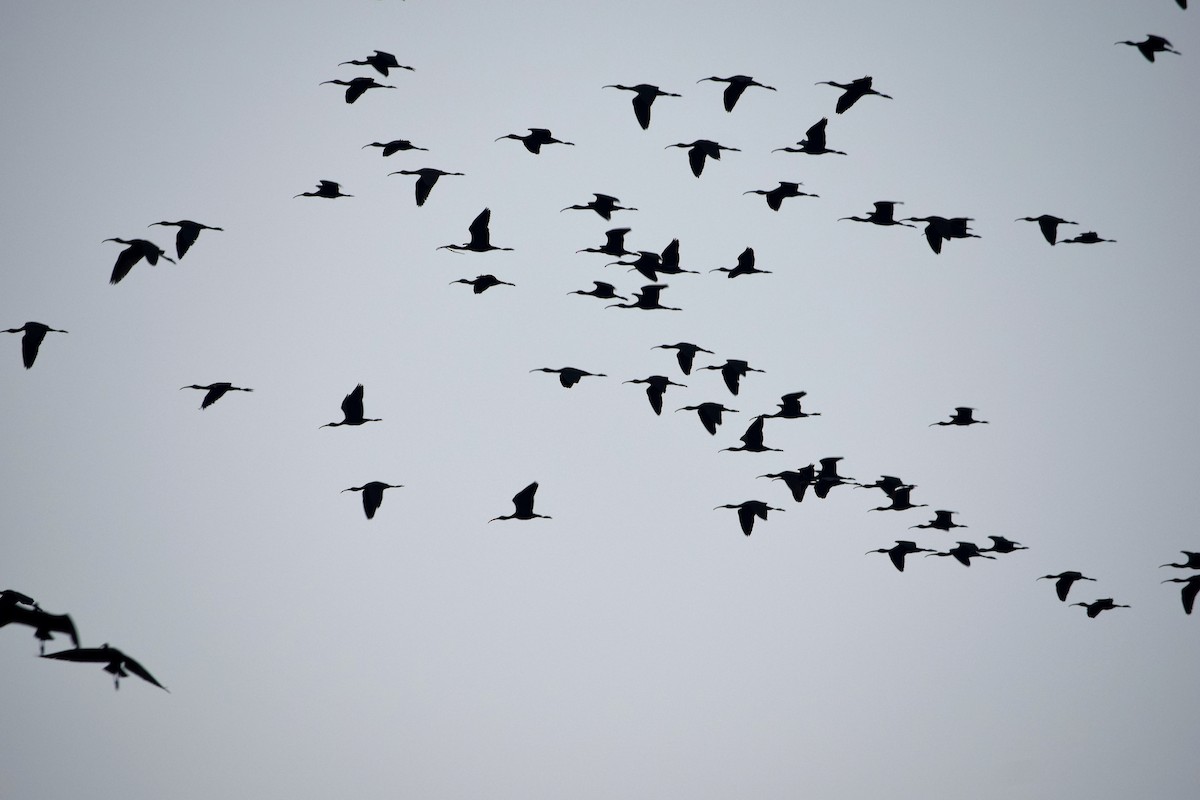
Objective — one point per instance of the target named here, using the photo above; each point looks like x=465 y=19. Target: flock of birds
x=19 y=609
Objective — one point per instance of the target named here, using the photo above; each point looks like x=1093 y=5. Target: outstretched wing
x=352 y=405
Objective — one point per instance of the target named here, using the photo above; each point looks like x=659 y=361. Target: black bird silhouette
x=1190 y=589
x=426 y=178
x=215 y=391
x=603 y=204
x=963 y=415
x=1048 y=223
x=668 y=260
x=1002 y=545
x=853 y=91
x=710 y=414
x=745 y=266
x=733 y=370
x=381 y=61
x=963 y=553
x=942 y=521
x=942 y=229
x=685 y=353
x=1063 y=582
x=534 y=140
x=614 y=244
x=395 y=146
x=648 y=263
x=647 y=299
x=789 y=407
x=356 y=87
x=1090 y=237
x=604 y=291
x=482 y=283
x=1096 y=606
x=737 y=85
x=569 y=376
x=747 y=511
x=644 y=97
x=656 y=387
x=884 y=214
x=326 y=189
x=1150 y=45
x=372 y=495
x=700 y=150
x=20 y=609
x=796 y=480
x=813 y=143
x=189 y=231
x=34 y=333
x=901 y=500
x=752 y=439
x=135 y=250
x=352 y=410
x=481 y=238
x=889 y=485
x=903 y=548
x=116 y=663
x=829 y=477
x=523 y=505
x=784 y=190
x=1192 y=562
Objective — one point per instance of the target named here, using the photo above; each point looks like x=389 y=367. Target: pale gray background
x=637 y=645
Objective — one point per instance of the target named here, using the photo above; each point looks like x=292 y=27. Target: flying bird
x=963 y=552
x=394 y=146
x=685 y=353
x=747 y=511
x=942 y=521
x=884 y=214
x=481 y=238
x=569 y=376
x=745 y=266
x=963 y=415
x=135 y=250
x=789 y=407
x=889 y=485
x=326 y=189
x=188 y=232
x=482 y=283
x=116 y=663
x=943 y=229
x=215 y=391
x=602 y=290
x=1150 y=45
x=752 y=439
x=1191 y=587
x=602 y=204
x=710 y=414
x=1063 y=582
x=523 y=505
x=1192 y=562
x=426 y=178
x=1048 y=223
x=534 y=140
x=20 y=609
x=648 y=263
x=381 y=61
x=372 y=495
x=813 y=143
x=1096 y=606
x=614 y=244
x=796 y=480
x=737 y=85
x=357 y=87
x=784 y=190
x=1090 y=237
x=701 y=149
x=733 y=370
x=647 y=299
x=34 y=333
x=829 y=477
x=656 y=387
x=853 y=91
x=644 y=96
x=352 y=410
x=903 y=548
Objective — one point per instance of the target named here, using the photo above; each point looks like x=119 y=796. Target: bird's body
x=813 y=143
x=481 y=237
x=710 y=414
x=1191 y=587
x=372 y=495
x=1152 y=44
x=1048 y=224
x=215 y=391
x=942 y=521
x=602 y=204
x=569 y=376
x=883 y=214
x=31 y=341
x=796 y=480
x=482 y=283
x=357 y=87
x=426 y=178
x=393 y=147
x=381 y=61
x=116 y=663
x=326 y=189
x=853 y=91
x=942 y=229
x=745 y=266
x=668 y=260
x=1063 y=582
x=752 y=439
x=352 y=410
x=733 y=370
x=648 y=299
x=644 y=96
x=1096 y=606
x=963 y=415
x=700 y=150
x=685 y=353
x=903 y=548
x=1090 y=237
x=737 y=85
x=790 y=408
x=602 y=290
x=188 y=232
x=748 y=510
x=523 y=505
x=535 y=139
x=656 y=387
x=784 y=190
x=135 y=250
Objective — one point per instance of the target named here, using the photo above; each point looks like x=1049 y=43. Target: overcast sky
x=636 y=645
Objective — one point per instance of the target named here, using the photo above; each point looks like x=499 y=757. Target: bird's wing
x=352 y=405
x=30 y=343
x=213 y=395
x=137 y=669
x=746 y=518
x=125 y=261
x=696 y=159
x=523 y=500
x=425 y=186
x=641 y=109
x=732 y=92
x=87 y=654
x=479 y=227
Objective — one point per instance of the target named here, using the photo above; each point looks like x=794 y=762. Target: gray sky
x=637 y=644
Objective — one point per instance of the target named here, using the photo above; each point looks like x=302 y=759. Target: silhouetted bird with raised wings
x=884 y=214
x=745 y=266
x=784 y=190
x=790 y=408
x=614 y=244
x=188 y=232
x=602 y=204
x=523 y=505
x=829 y=477
x=737 y=85
x=943 y=229
x=903 y=548
x=752 y=439
x=482 y=283
x=963 y=415
x=481 y=237
x=1150 y=45
x=1064 y=580
x=326 y=189
x=535 y=139
x=381 y=61
x=888 y=484
x=644 y=96
x=733 y=370
x=215 y=391
x=116 y=663
x=647 y=264
x=796 y=480
x=685 y=353
x=1003 y=545
x=656 y=387
x=853 y=91
x=352 y=410
x=372 y=495
x=357 y=87
x=1096 y=606
x=1048 y=224
x=1191 y=587
x=20 y=609
x=648 y=299
x=569 y=376
x=1090 y=237
x=747 y=511
x=813 y=143
x=135 y=250
x=426 y=178
x=701 y=149
x=602 y=290
x=901 y=500
x=394 y=146
x=710 y=414
x=31 y=341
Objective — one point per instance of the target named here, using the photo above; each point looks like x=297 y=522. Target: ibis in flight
x=372 y=495
x=34 y=333
x=135 y=250
x=644 y=96
x=747 y=511
x=215 y=391
x=481 y=237
x=426 y=178
x=357 y=87
x=188 y=232
x=523 y=505
x=352 y=410
x=116 y=663
x=1064 y=580
x=534 y=140
x=737 y=85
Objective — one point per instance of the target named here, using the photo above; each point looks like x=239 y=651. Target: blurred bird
x=784 y=190
x=1002 y=545
x=372 y=495
x=523 y=505
x=357 y=87
x=647 y=299
x=569 y=376
x=942 y=521
x=614 y=244
x=1091 y=237
x=752 y=439
x=700 y=150
x=644 y=96
x=394 y=146
x=116 y=663
x=34 y=333
x=737 y=85
x=21 y=609
x=963 y=415
x=789 y=407
x=647 y=264
x=745 y=266
x=381 y=61
x=685 y=353
x=829 y=477
x=796 y=480
x=903 y=548
x=534 y=140
x=1095 y=607
x=602 y=290
x=853 y=91
x=668 y=260
x=1150 y=45
x=733 y=370
x=901 y=500
x=602 y=204
x=1190 y=589
x=215 y=392
x=747 y=511
x=135 y=251
x=482 y=283
x=963 y=553
x=481 y=238
x=1063 y=582
x=710 y=414
x=943 y=229
x=1192 y=562
x=656 y=387
x=188 y=233
x=326 y=189
x=426 y=178
x=884 y=214
x=813 y=143
x=352 y=410
x=1048 y=223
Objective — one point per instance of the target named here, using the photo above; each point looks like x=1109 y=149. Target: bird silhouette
x=188 y=232
x=482 y=283
x=116 y=663
x=752 y=439
x=963 y=552
x=135 y=250
x=901 y=500
x=733 y=370
x=648 y=299
x=534 y=140
x=326 y=189
x=963 y=415
x=1191 y=587
x=710 y=414
x=1192 y=562
x=614 y=244
x=1063 y=582
x=656 y=387
x=784 y=190
x=745 y=266
x=796 y=480
x=569 y=376
x=884 y=214
x=789 y=407
x=381 y=61
x=357 y=87
x=903 y=548
x=481 y=239
x=395 y=146
x=20 y=609
x=1048 y=223
x=668 y=260
x=813 y=143
x=647 y=264
x=602 y=290
x=737 y=85
x=685 y=353
x=1090 y=237
x=1002 y=545
x=644 y=96
x=1150 y=45
x=1096 y=606
x=352 y=410
x=942 y=229
x=215 y=391
x=942 y=521
x=426 y=178
x=372 y=495
x=701 y=149
x=34 y=333
x=747 y=511
x=888 y=484
x=853 y=91
x=829 y=477
x=523 y=505
x=602 y=204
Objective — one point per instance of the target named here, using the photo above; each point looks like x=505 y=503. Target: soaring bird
x=1096 y=606
x=482 y=283
x=20 y=609
x=784 y=190
x=752 y=439
x=813 y=142
x=963 y=552
x=602 y=290
x=796 y=480
x=853 y=91
x=884 y=214
x=903 y=548
x=901 y=500
x=1064 y=580
x=942 y=521
x=352 y=410
x=1090 y=237
x=789 y=407
x=34 y=332
x=426 y=178
x=737 y=85
x=700 y=150
x=942 y=229
x=656 y=387
x=745 y=266
x=569 y=376
x=1150 y=45
x=1048 y=223
x=710 y=414
x=602 y=204
x=215 y=391
x=733 y=370
x=523 y=505
x=963 y=415
x=116 y=663
x=372 y=495
x=381 y=61
x=685 y=353
x=614 y=244
x=1001 y=544
x=747 y=511
x=644 y=97
x=394 y=146
x=1192 y=562
x=1190 y=589
x=647 y=299
x=534 y=140
x=326 y=189
x=356 y=87
x=481 y=238
x=829 y=477
x=189 y=231
x=135 y=250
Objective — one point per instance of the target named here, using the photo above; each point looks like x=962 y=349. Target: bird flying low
x=31 y=341
x=381 y=61
x=523 y=505
x=357 y=87
x=426 y=178
x=135 y=250
x=188 y=232
x=372 y=495
x=116 y=663
x=748 y=510
x=644 y=96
